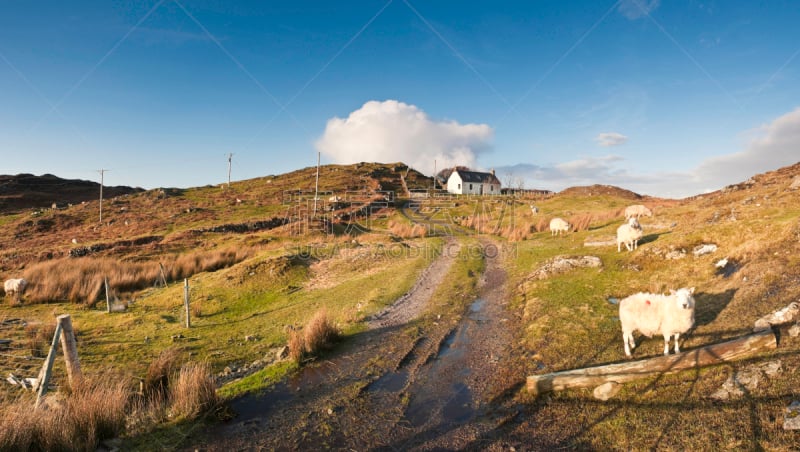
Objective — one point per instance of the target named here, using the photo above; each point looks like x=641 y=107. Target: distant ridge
x=597 y=189
x=26 y=191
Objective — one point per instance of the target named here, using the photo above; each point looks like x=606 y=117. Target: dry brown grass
x=94 y=411
x=193 y=392
x=159 y=373
x=40 y=336
x=81 y=280
x=296 y=345
x=407 y=230
x=318 y=335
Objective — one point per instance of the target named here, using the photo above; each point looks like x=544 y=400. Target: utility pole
x=101 y=171
x=434 y=174
x=230 y=157
x=316 y=188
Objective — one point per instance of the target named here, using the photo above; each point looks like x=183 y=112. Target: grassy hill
x=258 y=268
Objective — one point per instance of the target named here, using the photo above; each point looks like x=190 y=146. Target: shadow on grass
x=689 y=407
x=709 y=305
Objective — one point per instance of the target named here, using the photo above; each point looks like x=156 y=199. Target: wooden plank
x=627 y=371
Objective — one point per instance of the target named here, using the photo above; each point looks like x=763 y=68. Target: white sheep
x=629 y=233
x=651 y=314
x=534 y=209
x=637 y=210
x=15 y=286
x=558 y=225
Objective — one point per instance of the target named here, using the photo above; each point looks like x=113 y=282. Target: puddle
x=459 y=409
x=390 y=382
x=250 y=407
x=261 y=405
x=476 y=311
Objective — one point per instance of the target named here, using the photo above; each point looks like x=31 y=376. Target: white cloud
x=775 y=145
x=392 y=131
x=610 y=139
x=635 y=9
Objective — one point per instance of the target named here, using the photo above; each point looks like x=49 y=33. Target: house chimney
x=492 y=171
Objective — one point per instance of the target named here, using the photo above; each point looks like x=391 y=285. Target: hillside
x=493 y=303
x=26 y=191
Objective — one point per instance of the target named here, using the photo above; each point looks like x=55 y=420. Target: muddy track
x=393 y=387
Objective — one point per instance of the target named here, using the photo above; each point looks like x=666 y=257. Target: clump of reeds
x=318 y=335
x=193 y=391
x=93 y=411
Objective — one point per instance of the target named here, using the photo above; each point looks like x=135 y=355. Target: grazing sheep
x=637 y=211
x=629 y=234
x=534 y=209
x=15 y=286
x=558 y=225
x=667 y=315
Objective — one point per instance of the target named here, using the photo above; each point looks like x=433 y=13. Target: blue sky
x=664 y=98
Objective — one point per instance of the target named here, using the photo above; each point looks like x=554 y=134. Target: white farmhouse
x=473 y=183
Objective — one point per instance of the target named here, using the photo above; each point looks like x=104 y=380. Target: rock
x=282 y=353
x=722 y=263
x=607 y=390
x=795 y=183
x=562 y=264
x=781 y=317
x=706 y=248
x=791 y=419
x=249 y=338
x=794 y=331
x=745 y=381
x=675 y=255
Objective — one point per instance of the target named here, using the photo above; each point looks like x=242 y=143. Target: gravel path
x=412 y=303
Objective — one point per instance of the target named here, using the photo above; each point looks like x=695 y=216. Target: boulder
x=744 y=381
x=791 y=419
x=706 y=248
x=606 y=390
x=781 y=317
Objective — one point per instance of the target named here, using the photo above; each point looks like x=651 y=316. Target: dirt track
x=390 y=389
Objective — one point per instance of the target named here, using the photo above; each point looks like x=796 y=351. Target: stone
x=675 y=255
x=794 y=331
x=744 y=381
x=706 y=248
x=791 y=419
x=795 y=183
x=606 y=390
x=781 y=317
x=282 y=353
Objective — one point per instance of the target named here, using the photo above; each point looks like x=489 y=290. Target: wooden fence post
x=74 y=374
x=186 y=301
x=163 y=274
x=108 y=302
x=44 y=375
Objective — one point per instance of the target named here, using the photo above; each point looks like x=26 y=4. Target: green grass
x=258 y=380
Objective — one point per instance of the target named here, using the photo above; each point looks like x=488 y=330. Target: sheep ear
x=691 y=290
x=672 y=291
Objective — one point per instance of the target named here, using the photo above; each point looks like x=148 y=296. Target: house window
x=470 y=187
x=459 y=186
x=491 y=187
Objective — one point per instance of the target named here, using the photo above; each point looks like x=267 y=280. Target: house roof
x=478 y=177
